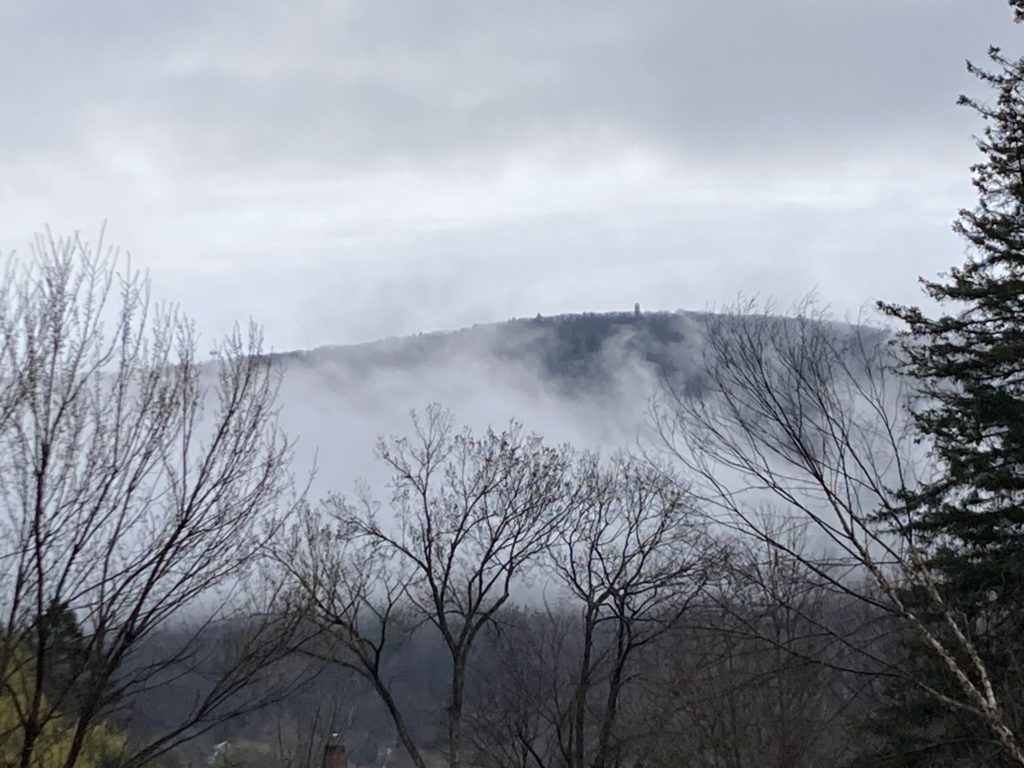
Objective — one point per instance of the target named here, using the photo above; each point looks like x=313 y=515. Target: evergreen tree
x=968 y=364
x=66 y=672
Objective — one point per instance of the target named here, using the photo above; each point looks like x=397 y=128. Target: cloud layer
x=345 y=170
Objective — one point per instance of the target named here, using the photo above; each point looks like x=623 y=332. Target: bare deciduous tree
x=808 y=416
x=636 y=558
x=753 y=680
x=137 y=490
x=632 y=560
x=522 y=689
x=468 y=517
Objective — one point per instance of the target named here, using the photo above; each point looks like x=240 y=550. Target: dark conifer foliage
x=66 y=657
x=968 y=365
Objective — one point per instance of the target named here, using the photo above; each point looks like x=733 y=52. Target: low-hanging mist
x=580 y=379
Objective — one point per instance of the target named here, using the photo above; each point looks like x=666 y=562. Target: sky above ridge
x=342 y=171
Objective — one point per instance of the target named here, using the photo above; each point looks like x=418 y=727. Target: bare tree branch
x=808 y=415
x=467 y=517
x=137 y=486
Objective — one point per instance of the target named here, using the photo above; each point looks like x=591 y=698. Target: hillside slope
x=572 y=352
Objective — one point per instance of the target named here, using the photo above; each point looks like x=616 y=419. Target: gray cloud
x=348 y=169
x=350 y=84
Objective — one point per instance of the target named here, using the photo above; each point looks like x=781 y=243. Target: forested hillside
x=577 y=353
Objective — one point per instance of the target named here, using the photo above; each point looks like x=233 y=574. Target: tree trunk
x=455 y=711
x=404 y=734
x=582 y=689
x=622 y=649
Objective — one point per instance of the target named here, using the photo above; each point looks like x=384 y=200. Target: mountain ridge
x=571 y=350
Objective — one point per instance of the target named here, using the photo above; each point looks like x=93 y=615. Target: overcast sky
x=342 y=171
